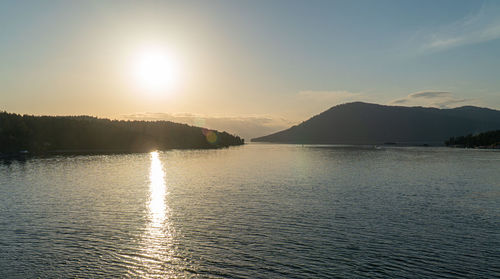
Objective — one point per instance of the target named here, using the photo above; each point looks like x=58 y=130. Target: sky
x=247 y=67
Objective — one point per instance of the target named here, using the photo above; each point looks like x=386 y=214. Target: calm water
x=256 y=211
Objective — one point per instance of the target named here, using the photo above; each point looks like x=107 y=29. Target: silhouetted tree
x=48 y=134
x=486 y=139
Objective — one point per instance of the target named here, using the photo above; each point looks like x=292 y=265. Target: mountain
x=364 y=123
x=84 y=134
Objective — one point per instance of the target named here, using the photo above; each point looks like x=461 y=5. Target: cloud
x=244 y=126
x=429 y=98
x=479 y=27
x=430 y=94
x=302 y=105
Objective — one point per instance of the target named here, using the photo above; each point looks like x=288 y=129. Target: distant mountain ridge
x=365 y=123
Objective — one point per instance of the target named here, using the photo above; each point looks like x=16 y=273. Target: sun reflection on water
x=157 y=187
x=157 y=256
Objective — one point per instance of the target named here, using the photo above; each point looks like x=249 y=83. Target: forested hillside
x=51 y=134
x=363 y=123
x=490 y=139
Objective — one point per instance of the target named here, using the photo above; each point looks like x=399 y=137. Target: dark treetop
x=363 y=123
x=82 y=134
x=490 y=139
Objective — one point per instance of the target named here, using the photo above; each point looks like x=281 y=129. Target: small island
x=488 y=140
x=40 y=135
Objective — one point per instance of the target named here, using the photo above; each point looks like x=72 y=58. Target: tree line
x=486 y=139
x=82 y=134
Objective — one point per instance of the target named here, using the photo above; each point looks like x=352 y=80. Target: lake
x=254 y=211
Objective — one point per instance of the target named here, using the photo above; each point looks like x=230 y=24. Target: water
x=255 y=211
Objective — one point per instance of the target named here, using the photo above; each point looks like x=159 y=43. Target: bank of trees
x=51 y=134
x=486 y=139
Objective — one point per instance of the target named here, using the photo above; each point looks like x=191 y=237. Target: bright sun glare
x=155 y=70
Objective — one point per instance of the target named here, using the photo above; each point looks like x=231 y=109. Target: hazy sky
x=262 y=65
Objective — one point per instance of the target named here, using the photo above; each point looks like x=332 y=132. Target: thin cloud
x=430 y=94
x=250 y=126
x=479 y=27
x=244 y=126
x=429 y=98
x=399 y=101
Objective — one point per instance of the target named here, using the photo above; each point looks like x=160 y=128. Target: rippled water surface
x=255 y=211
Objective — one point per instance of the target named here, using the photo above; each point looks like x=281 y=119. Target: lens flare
x=211 y=136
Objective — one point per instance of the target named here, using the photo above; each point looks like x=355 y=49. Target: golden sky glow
x=254 y=63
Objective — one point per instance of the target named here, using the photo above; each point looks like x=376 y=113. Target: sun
x=155 y=70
